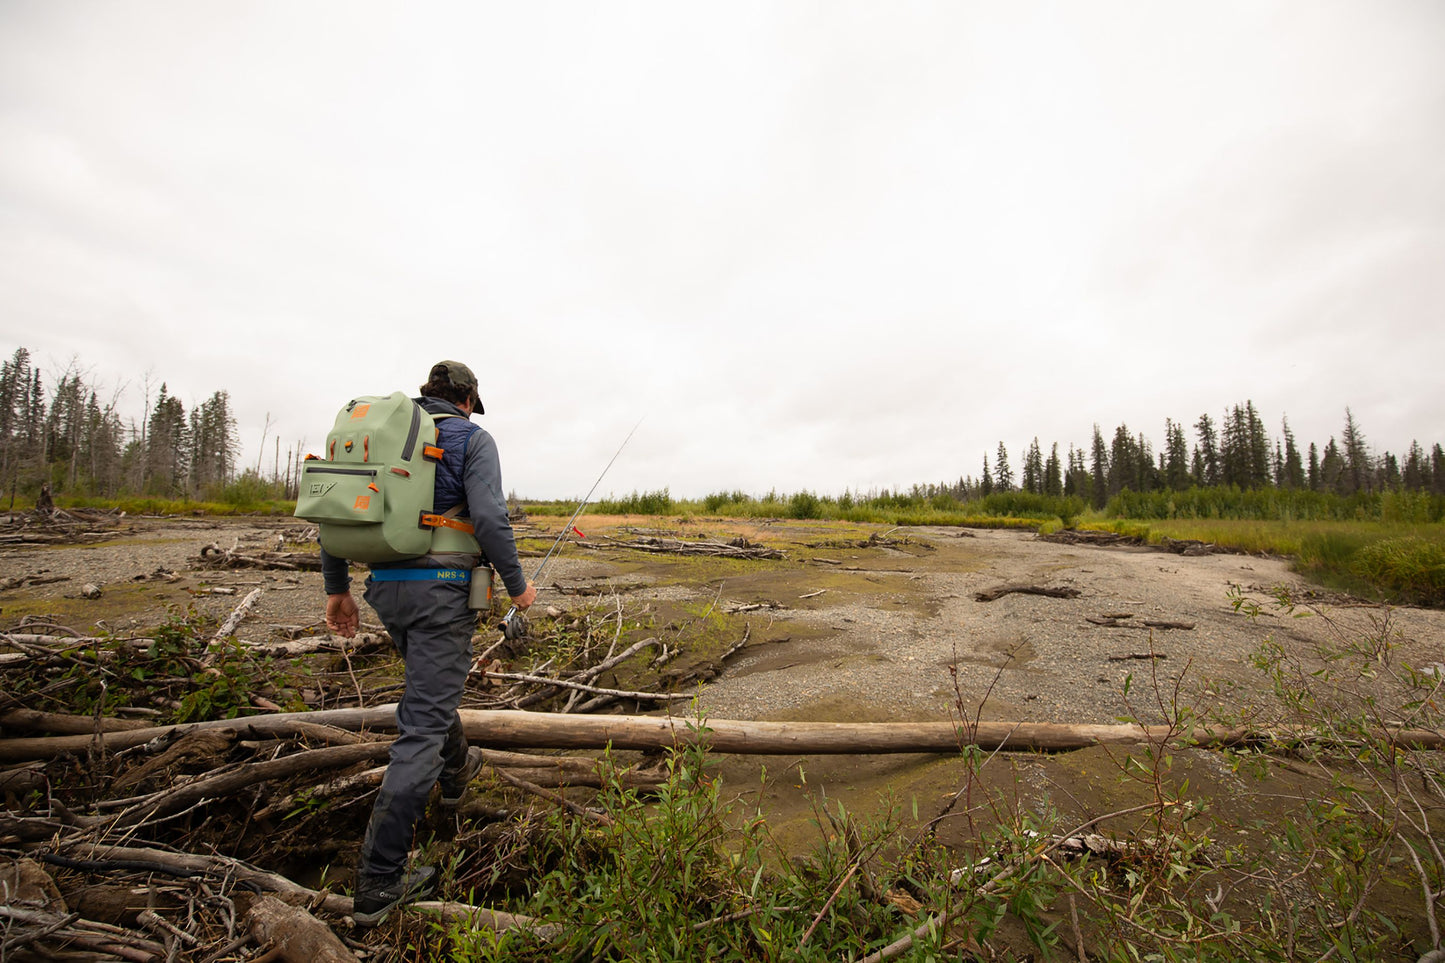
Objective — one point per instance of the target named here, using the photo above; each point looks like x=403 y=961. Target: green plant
x=804 y=504
x=1359 y=845
x=1409 y=569
x=683 y=874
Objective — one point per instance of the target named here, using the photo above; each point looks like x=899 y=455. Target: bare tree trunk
x=507 y=729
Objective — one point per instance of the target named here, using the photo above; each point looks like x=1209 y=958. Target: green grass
x=1393 y=561
x=1279 y=504
x=151 y=505
x=1004 y=510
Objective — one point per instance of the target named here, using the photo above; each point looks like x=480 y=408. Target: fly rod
x=513 y=625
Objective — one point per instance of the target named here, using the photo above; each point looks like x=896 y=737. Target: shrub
x=1410 y=569
x=647 y=503
x=804 y=504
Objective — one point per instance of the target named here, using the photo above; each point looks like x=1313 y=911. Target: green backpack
x=371 y=496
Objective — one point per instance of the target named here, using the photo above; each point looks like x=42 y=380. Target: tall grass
x=1407 y=568
x=227 y=503
x=1397 y=562
x=1279 y=504
x=1001 y=510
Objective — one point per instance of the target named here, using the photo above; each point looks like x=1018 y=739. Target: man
x=424 y=604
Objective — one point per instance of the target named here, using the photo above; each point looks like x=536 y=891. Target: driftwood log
x=239 y=613
x=738 y=548
x=998 y=592
x=298 y=936
x=1118 y=621
x=24 y=581
x=214 y=556
x=537 y=730
x=224 y=868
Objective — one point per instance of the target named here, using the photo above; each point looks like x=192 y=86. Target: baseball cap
x=460 y=376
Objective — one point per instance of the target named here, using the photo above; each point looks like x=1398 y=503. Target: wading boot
x=454 y=784
x=377 y=896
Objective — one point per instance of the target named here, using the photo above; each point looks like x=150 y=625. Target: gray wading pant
x=431 y=626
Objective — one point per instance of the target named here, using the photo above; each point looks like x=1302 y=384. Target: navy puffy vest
x=453 y=434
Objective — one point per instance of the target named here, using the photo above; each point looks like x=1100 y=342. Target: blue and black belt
x=421 y=575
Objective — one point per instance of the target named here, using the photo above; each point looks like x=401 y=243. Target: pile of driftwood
x=50 y=526
x=1178 y=546
x=1086 y=536
x=213 y=556
x=125 y=867
x=1048 y=591
x=125 y=840
x=736 y=548
x=876 y=540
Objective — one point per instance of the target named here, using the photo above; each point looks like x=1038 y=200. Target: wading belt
x=421 y=575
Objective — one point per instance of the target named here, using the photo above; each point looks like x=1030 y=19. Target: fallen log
x=553 y=772
x=69 y=930
x=227 y=783
x=1118 y=622
x=1063 y=592
x=479 y=917
x=233 y=621
x=33 y=720
x=547 y=730
x=678 y=547
x=298 y=936
x=224 y=868
x=25 y=581
x=21 y=781
x=325 y=644
x=595 y=690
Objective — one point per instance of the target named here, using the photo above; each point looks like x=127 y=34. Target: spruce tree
x=1357 y=472
x=1416 y=476
x=1033 y=478
x=1332 y=469
x=1123 y=462
x=1176 y=456
x=1100 y=470
x=1003 y=476
x=1259 y=474
x=1053 y=473
x=1208 y=451
x=1292 y=474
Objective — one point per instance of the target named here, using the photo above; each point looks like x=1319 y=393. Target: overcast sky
x=811 y=245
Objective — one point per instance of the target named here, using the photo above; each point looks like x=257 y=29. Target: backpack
x=371 y=496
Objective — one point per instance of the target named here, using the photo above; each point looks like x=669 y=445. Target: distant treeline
x=1235 y=453
x=1234 y=469
x=64 y=435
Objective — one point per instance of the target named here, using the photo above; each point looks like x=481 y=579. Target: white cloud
x=816 y=247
